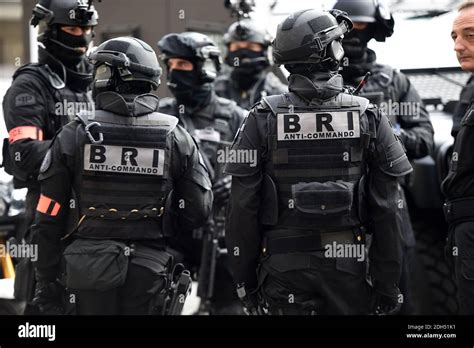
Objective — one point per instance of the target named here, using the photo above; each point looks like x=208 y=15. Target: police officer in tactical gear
x=192 y=61
x=126 y=167
x=393 y=92
x=458 y=186
x=41 y=100
x=249 y=78
x=327 y=174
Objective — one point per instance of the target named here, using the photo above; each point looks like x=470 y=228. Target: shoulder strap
x=274 y=101
x=83 y=118
x=385 y=74
x=44 y=72
x=356 y=102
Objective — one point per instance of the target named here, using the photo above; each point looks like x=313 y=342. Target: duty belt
x=114 y=214
x=291 y=241
x=459 y=210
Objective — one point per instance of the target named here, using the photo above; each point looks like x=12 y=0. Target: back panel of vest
x=317 y=160
x=126 y=177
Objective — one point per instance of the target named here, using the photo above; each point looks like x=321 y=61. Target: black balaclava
x=77 y=78
x=250 y=65
x=360 y=58
x=63 y=46
x=188 y=88
x=355 y=43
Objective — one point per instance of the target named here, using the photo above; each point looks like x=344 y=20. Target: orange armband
x=48 y=206
x=25 y=132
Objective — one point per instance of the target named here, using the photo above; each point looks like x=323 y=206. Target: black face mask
x=65 y=47
x=247 y=65
x=355 y=43
x=187 y=88
x=78 y=78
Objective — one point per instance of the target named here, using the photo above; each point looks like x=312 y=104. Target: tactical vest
x=125 y=175
x=380 y=88
x=62 y=106
x=317 y=162
x=215 y=136
x=65 y=102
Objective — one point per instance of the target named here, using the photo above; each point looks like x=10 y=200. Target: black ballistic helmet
x=125 y=61
x=65 y=12
x=374 y=12
x=51 y=14
x=195 y=47
x=247 y=30
x=311 y=37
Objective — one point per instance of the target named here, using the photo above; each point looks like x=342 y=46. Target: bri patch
x=325 y=125
x=124 y=159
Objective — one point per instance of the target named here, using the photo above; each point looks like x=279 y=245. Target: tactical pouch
x=157 y=261
x=327 y=199
x=95 y=264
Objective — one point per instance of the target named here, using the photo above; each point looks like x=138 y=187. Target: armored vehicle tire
x=435 y=280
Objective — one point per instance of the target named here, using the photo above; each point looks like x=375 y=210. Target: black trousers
x=464 y=266
x=323 y=287
x=135 y=297
x=25 y=281
x=409 y=306
x=225 y=300
x=407 y=282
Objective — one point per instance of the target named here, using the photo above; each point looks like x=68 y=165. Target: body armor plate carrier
x=316 y=165
x=126 y=176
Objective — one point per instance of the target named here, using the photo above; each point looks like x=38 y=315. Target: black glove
x=221 y=190
x=49 y=298
x=252 y=302
x=386 y=299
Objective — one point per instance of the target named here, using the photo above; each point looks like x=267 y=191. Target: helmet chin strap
x=56 y=60
x=77 y=78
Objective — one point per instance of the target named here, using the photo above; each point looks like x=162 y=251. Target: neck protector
x=320 y=87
